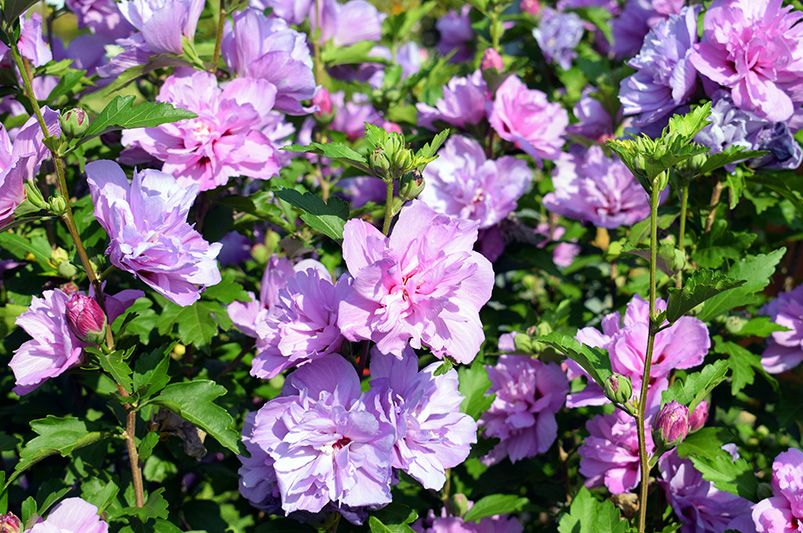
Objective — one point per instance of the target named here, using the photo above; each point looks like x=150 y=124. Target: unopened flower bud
x=379 y=162
x=530 y=6
x=323 y=101
x=412 y=184
x=698 y=417
x=672 y=423
x=618 y=388
x=58 y=205
x=86 y=319
x=9 y=523
x=492 y=60
x=34 y=195
x=74 y=122
x=67 y=269
x=392 y=127
x=523 y=343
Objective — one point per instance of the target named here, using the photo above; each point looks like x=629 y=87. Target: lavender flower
x=463 y=103
x=150 y=238
x=592 y=187
x=593 y=120
x=250 y=317
x=635 y=21
x=558 y=34
x=72 y=515
x=258 y=482
x=351 y=116
x=446 y=523
x=783 y=512
x=431 y=432
x=456 y=35
x=785 y=348
x=101 y=16
x=564 y=252
x=163 y=23
x=522 y=416
x=31 y=44
x=463 y=183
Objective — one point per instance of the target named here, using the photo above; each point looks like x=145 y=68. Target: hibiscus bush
x=490 y=266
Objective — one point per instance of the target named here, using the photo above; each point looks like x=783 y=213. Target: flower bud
x=379 y=162
x=411 y=185
x=74 y=122
x=530 y=6
x=86 y=319
x=698 y=417
x=523 y=343
x=672 y=423
x=618 y=388
x=323 y=101
x=67 y=269
x=58 y=205
x=34 y=195
x=391 y=127
x=492 y=60
x=9 y=523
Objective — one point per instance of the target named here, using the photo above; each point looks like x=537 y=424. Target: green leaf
x=67 y=84
x=150 y=372
x=36 y=244
x=588 y=515
x=595 y=361
x=755 y=271
x=55 y=435
x=697 y=386
x=337 y=151
x=12 y=9
x=685 y=127
x=377 y=526
x=493 y=505
x=98 y=493
x=473 y=383
x=194 y=401
x=743 y=364
x=330 y=225
x=731 y=155
x=122 y=114
x=760 y=326
x=327 y=218
x=704 y=449
x=155 y=507
x=428 y=151
x=114 y=364
x=722 y=243
x=333 y=55
x=701 y=286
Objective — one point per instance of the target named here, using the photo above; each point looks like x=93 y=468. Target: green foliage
x=698 y=288
x=588 y=515
x=493 y=505
x=704 y=449
x=595 y=361
x=327 y=218
x=743 y=364
x=697 y=386
x=473 y=384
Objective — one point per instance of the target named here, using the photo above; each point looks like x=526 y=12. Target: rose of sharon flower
x=785 y=348
x=431 y=432
x=635 y=21
x=256 y=46
x=456 y=35
x=558 y=34
x=665 y=78
x=682 y=345
x=609 y=455
x=522 y=416
x=348 y=23
x=755 y=49
x=20 y=160
x=593 y=120
x=72 y=515
x=326 y=447
x=229 y=138
x=101 y=16
x=163 y=23
x=527 y=119
x=146 y=220
x=697 y=503
x=258 y=482
x=250 y=316
x=591 y=187
x=463 y=103
x=463 y=183
x=423 y=285
x=445 y=523
x=783 y=512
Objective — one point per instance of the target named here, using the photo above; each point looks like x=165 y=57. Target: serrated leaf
x=697 y=386
x=377 y=526
x=114 y=364
x=731 y=155
x=155 y=507
x=333 y=55
x=743 y=364
x=330 y=225
x=699 y=287
x=704 y=449
x=122 y=114
x=595 y=361
x=473 y=383
x=194 y=401
x=588 y=515
x=760 y=326
x=686 y=127
x=337 y=151
x=67 y=83
x=493 y=505
x=313 y=204
x=150 y=372
x=428 y=151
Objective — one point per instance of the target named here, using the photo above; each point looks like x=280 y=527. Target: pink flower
x=163 y=23
x=492 y=60
x=672 y=422
x=527 y=119
x=783 y=512
x=423 y=285
x=682 y=345
x=72 y=515
x=258 y=482
x=698 y=417
x=230 y=137
x=610 y=455
x=522 y=416
x=463 y=103
x=564 y=252
x=785 y=348
x=250 y=316
x=10 y=523
x=85 y=317
x=754 y=48
x=445 y=523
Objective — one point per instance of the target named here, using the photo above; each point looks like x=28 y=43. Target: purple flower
x=360 y=190
x=258 y=482
x=699 y=416
x=564 y=252
x=325 y=446
x=672 y=423
x=682 y=345
x=527 y=119
x=230 y=136
x=32 y=45
x=783 y=512
x=445 y=523
x=785 y=348
x=728 y=126
x=456 y=35
x=755 y=49
x=72 y=515
x=350 y=117
x=301 y=325
x=491 y=60
x=697 y=503
x=463 y=103
x=784 y=152
x=610 y=454
x=20 y=160
x=410 y=57
x=163 y=23
x=150 y=238
x=665 y=78
x=635 y=21
x=431 y=432
x=101 y=16
x=522 y=416
x=423 y=285
x=86 y=319
x=256 y=46
x=593 y=120
x=349 y=23
x=464 y=184
x=591 y=187
x=293 y=11
x=558 y=34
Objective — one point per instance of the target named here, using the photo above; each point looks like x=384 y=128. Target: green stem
x=221 y=24
x=388 y=207
x=645 y=378
x=684 y=205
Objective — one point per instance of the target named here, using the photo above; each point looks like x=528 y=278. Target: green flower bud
x=58 y=205
x=67 y=269
x=74 y=122
x=618 y=388
x=379 y=162
x=34 y=195
x=412 y=184
x=523 y=343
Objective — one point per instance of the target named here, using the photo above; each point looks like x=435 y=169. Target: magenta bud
x=672 y=423
x=533 y=7
x=9 y=523
x=392 y=127
x=492 y=60
x=698 y=417
x=323 y=100
x=86 y=319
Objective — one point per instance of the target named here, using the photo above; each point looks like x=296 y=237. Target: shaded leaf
x=704 y=449
x=588 y=515
x=695 y=387
x=493 y=505
x=701 y=286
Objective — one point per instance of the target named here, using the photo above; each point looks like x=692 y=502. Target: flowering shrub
x=491 y=266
